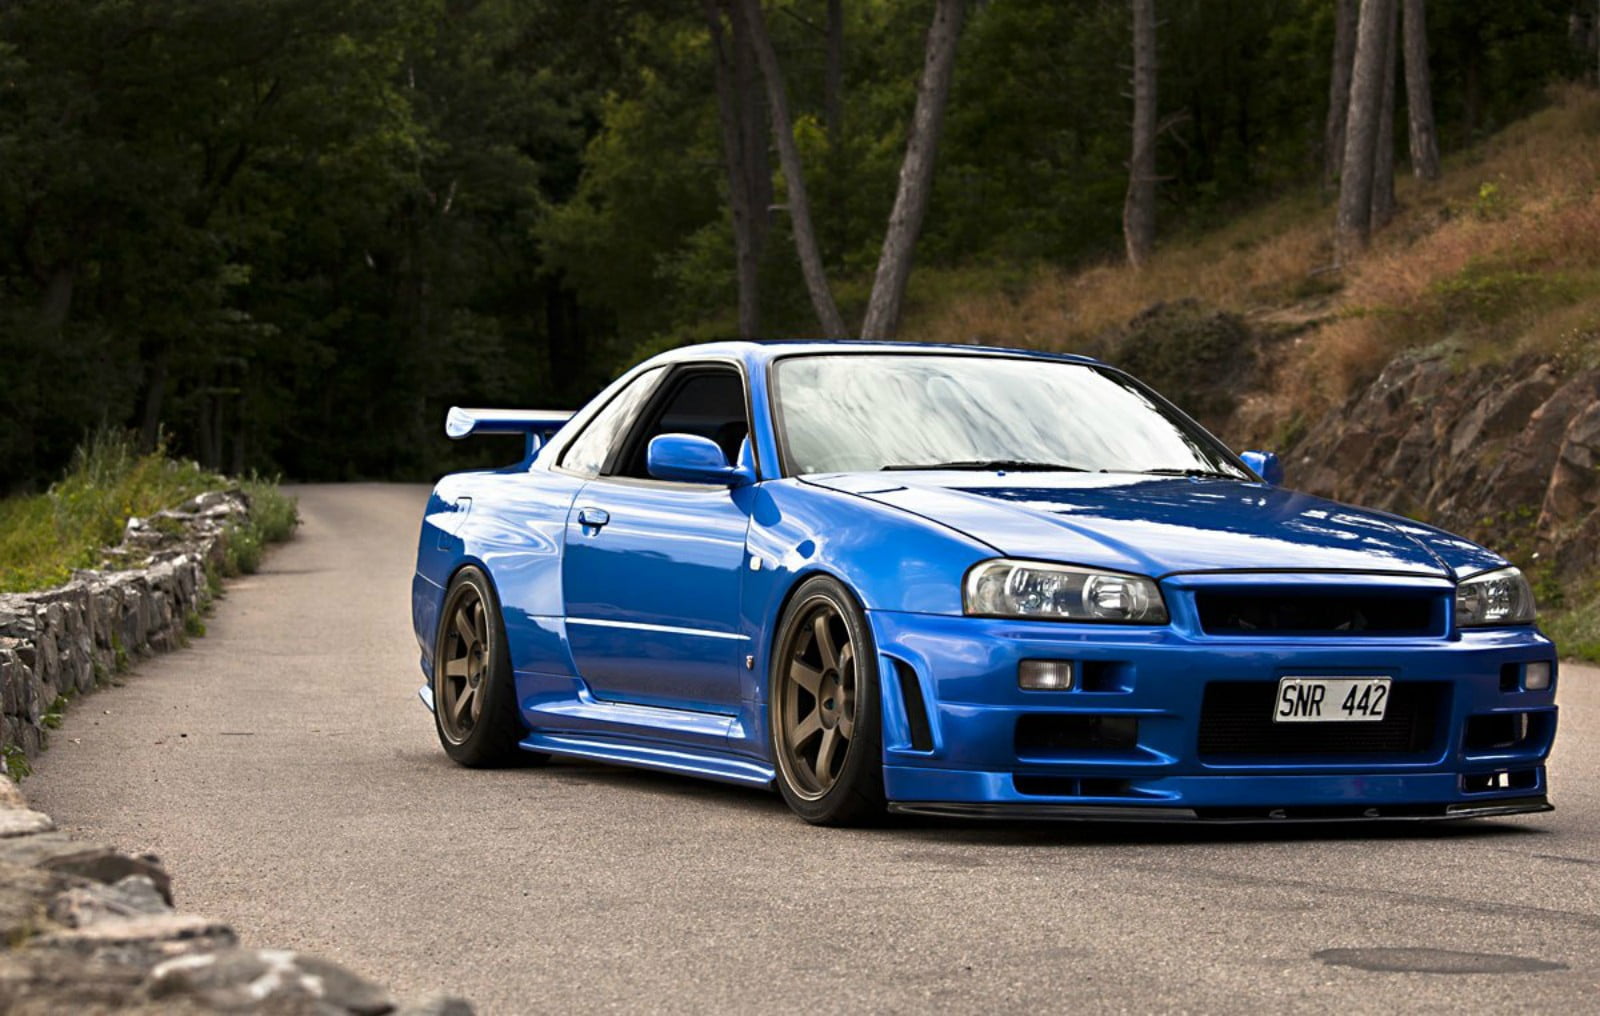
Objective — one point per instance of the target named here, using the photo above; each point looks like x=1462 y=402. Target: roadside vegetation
x=45 y=536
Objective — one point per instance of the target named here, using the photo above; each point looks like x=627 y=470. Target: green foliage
x=1576 y=632
x=1193 y=355
x=16 y=762
x=53 y=714
x=292 y=232
x=241 y=550
x=194 y=626
x=1489 y=293
x=44 y=537
x=272 y=512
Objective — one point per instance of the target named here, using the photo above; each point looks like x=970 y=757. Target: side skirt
x=709 y=765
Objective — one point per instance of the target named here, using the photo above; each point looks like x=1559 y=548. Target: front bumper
x=959 y=734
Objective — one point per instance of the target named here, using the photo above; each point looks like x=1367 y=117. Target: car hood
x=1164 y=525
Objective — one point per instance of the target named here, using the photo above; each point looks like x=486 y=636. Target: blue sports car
x=965 y=582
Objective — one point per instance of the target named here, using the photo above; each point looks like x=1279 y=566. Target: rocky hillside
x=1505 y=453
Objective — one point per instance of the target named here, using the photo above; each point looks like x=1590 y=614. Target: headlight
x=1497 y=597
x=1060 y=592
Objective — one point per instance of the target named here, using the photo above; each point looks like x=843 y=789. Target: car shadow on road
x=703 y=794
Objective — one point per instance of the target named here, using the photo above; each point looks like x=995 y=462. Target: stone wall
x=85 y=928
x=64 y=641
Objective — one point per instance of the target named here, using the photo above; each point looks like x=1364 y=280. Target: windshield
x=857 y=412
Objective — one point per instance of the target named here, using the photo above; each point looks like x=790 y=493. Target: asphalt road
x=285 y=771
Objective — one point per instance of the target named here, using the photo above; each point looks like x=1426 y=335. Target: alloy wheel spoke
x=806 y=728
x=824 y=638
x=480 y=623
x=457 y=667
x=825 y=751
x=464 y=698
x=464 y=630
x=805 y=675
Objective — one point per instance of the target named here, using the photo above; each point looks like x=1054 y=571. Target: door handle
x=593 y=518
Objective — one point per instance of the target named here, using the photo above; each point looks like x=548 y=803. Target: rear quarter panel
x=511 y=524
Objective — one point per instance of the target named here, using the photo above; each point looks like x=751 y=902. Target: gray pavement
x=285 y=771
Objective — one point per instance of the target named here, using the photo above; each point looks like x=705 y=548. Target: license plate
x=1330 y=699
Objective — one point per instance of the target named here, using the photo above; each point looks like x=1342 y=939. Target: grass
x=44 y=537
x=1576 y=631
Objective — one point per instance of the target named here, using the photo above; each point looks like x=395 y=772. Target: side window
x=708 y=402
x=589 y=452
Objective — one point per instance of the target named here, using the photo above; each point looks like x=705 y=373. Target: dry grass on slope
x=1500 y=257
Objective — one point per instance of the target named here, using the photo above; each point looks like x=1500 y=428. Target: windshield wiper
x=1190 y=472
x=1005 y=465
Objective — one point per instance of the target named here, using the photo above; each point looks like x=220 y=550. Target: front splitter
x=1224 y=816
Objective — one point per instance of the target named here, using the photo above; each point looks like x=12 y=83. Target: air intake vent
x=1236 y=720
x=1345 y=613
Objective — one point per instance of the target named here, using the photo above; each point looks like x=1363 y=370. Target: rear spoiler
x=538 y=424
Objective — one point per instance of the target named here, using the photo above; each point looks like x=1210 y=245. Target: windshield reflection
x=855 y=413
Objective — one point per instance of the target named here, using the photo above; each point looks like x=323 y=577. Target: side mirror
x=1266 y=466
x=690 y=458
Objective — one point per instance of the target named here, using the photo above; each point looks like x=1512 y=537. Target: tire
x=824 y=716
x=474 y=697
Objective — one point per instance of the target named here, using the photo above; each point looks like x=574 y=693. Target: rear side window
x=588 y=454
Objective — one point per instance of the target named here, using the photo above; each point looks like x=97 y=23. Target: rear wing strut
x=539 y=425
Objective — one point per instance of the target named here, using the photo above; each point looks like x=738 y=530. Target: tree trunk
x=1139 y=208
x=155 y=392
x=838 y=231
x=1383 y=158
x=805 y=237
x=916 y=172
x=1344 y=55
x=1419 y=93
x=748 y=237
x=1354 y=223
x=56 y=304
x=833 y=76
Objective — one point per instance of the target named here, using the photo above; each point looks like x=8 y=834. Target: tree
x=1139 y=208
x=916 y=173
x=1344 y=55
x=744 y=149
x=1419 y=93
x=1383 y=203
x=805 y=235
x=1354 y=224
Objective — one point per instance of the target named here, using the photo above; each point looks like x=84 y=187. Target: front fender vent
x=916 y=707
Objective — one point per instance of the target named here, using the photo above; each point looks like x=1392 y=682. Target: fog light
x=1045 y=675
x=1536 y=676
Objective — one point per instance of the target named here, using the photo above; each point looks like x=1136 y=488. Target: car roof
x=758 y=353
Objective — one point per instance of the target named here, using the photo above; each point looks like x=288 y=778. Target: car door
x=652 y=569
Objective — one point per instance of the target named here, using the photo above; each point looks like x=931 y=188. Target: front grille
x=1236 y=721
x=1391 y=613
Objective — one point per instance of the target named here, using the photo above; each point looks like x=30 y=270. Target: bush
x=43 y=538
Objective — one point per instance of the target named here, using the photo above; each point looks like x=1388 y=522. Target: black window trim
x=676 y=374
x=560 y=464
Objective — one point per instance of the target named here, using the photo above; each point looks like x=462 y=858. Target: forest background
x=285 y=235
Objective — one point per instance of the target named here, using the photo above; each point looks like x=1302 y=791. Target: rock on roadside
x=90 y=929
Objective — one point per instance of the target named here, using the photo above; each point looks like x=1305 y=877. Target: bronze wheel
x=464 y=667
x=474 y=697
x=824 y=708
